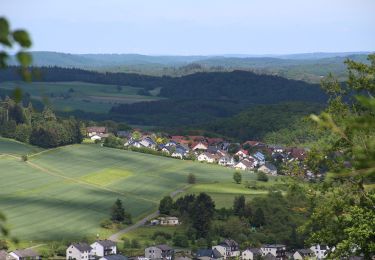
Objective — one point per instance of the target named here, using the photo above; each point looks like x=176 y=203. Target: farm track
x=117 y=236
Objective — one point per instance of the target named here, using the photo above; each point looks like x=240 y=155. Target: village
x=248 y=156
x=226 y=249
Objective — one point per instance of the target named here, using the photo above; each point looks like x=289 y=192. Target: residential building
x=113 y=257
x=96 y=130
x=169 y=221
x=3 y=255
x=260 y=157
x=242 y=153
x=159 y=252
x=209 y=254
x=103 y=248
x=207 y=157
x=148 y=143
x=320 y=251
x=228 y=248
x=277 y=251
x=244 y=165
x=79 y=251
x=199 y=146
x=226 y=161
x=268 y=168
x=302 y=254
x=251 y=254
x=24 y=254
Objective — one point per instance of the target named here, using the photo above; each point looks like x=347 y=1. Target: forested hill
x=243 y=85
x=236 y=85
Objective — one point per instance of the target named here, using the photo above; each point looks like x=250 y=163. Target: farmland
x=90 y=97
x=64 y=193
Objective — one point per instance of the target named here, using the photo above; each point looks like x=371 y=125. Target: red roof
x=243 y=151
x=214 y=140
x=252 y=143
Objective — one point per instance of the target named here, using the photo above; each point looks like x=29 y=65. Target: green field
x=66 y=192
x=90 y=97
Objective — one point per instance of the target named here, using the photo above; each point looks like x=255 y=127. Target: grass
x=64 y=193
x=9 y=146
x=90 y=97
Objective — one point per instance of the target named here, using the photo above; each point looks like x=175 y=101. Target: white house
x=226 y=161
x=23 y=254
x=278 y=251
x=251 y=253
x=169 y=221
x=228 y=248
x=244 y=165
x=320 y=251
x=103 y=248
x=96 y=130
x=268 y=168
x=79 y=251
x=159 y=252
x=148 y=143
x=199 y=146
x=206 y=157
x=242 y=153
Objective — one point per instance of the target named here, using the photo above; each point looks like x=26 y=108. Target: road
x=117 y=236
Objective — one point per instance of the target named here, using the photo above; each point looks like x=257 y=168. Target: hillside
x=47 y=198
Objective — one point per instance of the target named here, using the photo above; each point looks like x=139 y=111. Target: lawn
x=90 y=97
x=64 y=193
x=9 y=146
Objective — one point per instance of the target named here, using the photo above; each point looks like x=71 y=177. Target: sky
x=195 y=27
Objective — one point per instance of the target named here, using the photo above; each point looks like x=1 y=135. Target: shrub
x=24 y=158
x=191 y=178
x=106 y=223
x=261 y=176
x=237 y=177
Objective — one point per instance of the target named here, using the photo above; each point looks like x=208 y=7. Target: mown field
x=90 y=97
x=64 y=193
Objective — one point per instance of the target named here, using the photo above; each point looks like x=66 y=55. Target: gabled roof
x=216 y=254
x=247 y=163
x=305 y=251
x=204 y=252
x=269 y=256
x=273 y=245
x=255 y=251
x=82 y=247
x=229 y=242
x=259 y=156
x=243 y=151
x=25 y=253
x=97 y=129
x=106 y=243
x=164 y=247
x=115 y=257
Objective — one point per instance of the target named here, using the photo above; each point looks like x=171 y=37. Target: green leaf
x=4 y=28
x=22 y=37
x=24 y=58
x=3 y=58
x=17 y=95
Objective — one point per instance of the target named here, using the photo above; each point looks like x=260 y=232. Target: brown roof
x=3 y=255
x=25 y=253
x=97 y=129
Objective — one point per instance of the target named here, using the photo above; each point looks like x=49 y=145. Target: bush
x=237 y=177
x=261 y=176
x=180 y=240
x=135 y=244
x=191 y=178
x=161 y=234
x=24 y=158
x=106 y=223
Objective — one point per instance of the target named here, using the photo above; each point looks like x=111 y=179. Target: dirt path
x=117 y=236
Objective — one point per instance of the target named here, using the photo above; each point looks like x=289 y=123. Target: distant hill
x=309 y=67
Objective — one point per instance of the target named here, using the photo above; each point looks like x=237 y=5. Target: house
x=113 y=257
x=260 y=157
x=171 y=143
x=24 y=254
x=209 y=254
x=103 y=248
x=278 y=251
x=207 y=157
x=96 y=130
x=302 y=254
x=268 y=168
x=228 y=248
x=169 y=221
x=133 y=143
x=199 y=146
x=297 y=154
x=242 y=153
x=244 y=165
x=155 y=222
x=148 y=143
x=226 y=161
x=159 y=252
x=269 y=256
x=320 y=251
x=251 y=254
x=180 y=152
x=79 y=251
x=214 y=141
x=276 y=148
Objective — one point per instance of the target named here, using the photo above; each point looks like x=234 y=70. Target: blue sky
x=187 y=27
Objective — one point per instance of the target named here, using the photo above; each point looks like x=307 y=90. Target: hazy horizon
x=207 y=28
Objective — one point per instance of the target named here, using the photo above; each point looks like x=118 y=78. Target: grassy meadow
x=64 y=193
x=90 y=97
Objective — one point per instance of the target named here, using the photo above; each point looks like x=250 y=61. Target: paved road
x=117 y=236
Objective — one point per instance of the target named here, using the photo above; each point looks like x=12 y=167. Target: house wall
x=74 y=253
x=221 y=249
x=153 y=253
x=247 y=255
